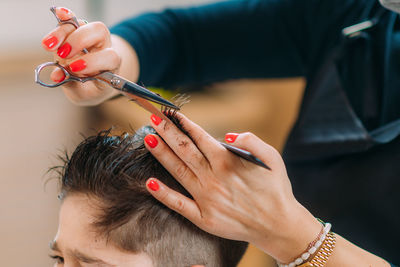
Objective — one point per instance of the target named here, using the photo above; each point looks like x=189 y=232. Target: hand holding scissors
x=139 y=94
x=107 y=53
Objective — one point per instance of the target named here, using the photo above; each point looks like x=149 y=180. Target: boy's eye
x=58 y=259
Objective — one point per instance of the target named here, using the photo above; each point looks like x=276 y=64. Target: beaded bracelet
x=312 y=248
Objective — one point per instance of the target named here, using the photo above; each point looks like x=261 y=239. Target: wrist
x=129 y=66
x=296 y=230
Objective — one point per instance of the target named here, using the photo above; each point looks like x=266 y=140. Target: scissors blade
x=142 y=92
x=127 y=86
x=146 y=105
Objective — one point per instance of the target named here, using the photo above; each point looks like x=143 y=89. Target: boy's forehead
x=76 y=218
x=77 y=237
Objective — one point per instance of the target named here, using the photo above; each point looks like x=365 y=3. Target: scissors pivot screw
x=115 y=81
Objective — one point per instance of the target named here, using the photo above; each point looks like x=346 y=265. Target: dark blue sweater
x=245 y=39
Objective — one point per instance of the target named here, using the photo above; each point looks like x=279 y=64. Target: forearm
x=226 y=40
x=129 y=67
x=348 y=254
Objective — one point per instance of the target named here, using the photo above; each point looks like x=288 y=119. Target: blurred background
x=38 y=123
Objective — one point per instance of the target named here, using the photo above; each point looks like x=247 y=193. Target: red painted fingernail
x=65 y=10
x=63 y=13
x=60 y=80
x=151 y=140
x=64 y=50
x=78 y=65
x=231 y=137
x=156 y=120
x=153 y=185
x=50 y=42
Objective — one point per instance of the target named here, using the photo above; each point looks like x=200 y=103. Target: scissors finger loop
x=68 y=77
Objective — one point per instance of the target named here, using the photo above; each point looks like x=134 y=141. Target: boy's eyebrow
x=87 y=259
x=80 y=256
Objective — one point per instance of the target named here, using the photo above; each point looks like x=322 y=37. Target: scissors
x=137 y=93
x=133 y=91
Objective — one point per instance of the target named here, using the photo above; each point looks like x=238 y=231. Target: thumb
x=251 y=143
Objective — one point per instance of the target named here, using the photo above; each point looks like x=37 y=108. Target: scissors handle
x=113 y=80
x=68 y=76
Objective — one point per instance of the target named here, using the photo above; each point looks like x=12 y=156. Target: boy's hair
x=113 y=169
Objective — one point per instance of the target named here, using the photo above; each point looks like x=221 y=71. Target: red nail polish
x=64 y=50
x=65 y=10
x=153 y=185
x=78 y=65
x=51 y=42
x=156 y=120
x=231 y=137
x=64 y=13
x=151 y=140
x=60 y=80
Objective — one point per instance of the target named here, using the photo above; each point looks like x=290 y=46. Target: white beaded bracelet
x=306 y=255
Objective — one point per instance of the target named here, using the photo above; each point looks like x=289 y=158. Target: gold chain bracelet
x=323 y=253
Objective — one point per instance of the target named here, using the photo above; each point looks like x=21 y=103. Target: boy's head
x=108 y=217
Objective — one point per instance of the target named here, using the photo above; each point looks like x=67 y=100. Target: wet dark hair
x=113 y=169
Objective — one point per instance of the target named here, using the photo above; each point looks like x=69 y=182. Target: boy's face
x=76 y=243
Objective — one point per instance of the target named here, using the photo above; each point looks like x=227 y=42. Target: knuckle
x=247 y=136
x=208 y=222
x=65 y=29
x=196 y=161
x=163 y=197
x=115 y=59
x=100 y=27
x=179 y=205
x=181 y=171
x=223 y=165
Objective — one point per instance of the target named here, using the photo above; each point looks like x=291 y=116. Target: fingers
x=68 y=41
x=93 y=63
x=256 y=146
x=64 y=13
x=90 y=64
x=53 y=40
x=181 y=145
x=57 y=75
x=203 y=149
x=201 y=138
x=93 y=36
x=174 y=200
x=56 y=37
x=175 y=166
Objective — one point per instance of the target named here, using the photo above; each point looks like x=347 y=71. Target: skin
x=76 y=243
x=236 y=199
x=107 y=52
x=232 y=197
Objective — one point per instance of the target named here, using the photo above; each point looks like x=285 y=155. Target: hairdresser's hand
x=233 y=198
x=105 y=54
